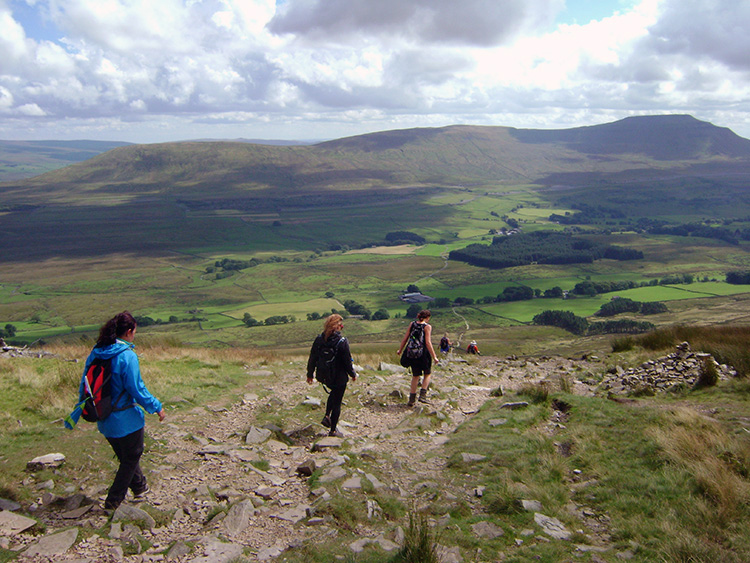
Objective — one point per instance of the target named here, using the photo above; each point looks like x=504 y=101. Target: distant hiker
x=124 y=427
x=418 y=355
x=445 y=344
x=330 y=352
x=472 y=348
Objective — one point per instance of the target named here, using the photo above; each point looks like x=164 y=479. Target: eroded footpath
x=227 y=485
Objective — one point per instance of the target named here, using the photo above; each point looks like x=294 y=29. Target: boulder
x=45 y=462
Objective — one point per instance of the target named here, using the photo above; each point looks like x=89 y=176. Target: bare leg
x=414 y=383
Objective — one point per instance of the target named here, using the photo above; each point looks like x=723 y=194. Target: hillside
x=513 y=459
x=422 y=156
x=663 y=138
x=200 y=189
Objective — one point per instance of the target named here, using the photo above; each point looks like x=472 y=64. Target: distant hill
x=456 y=154
x=188 y=194
x=661 y=137
x=24 y=159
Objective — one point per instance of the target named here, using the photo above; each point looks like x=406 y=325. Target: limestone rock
x=469 y=458
x=53 y=544
x=218 y=552
x=12 y=524
x=238 y=517
x=45 y=462
x=552 y=526
x=327 y=442
x=6 y=504
x=257 y=435
x=133 y=514
x=306 y=468
x=488 y=530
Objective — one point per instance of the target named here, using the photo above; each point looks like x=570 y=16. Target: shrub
x=623 y=344
x=536 y=392
x=709 y=375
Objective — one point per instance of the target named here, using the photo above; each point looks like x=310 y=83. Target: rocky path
x=226 y=483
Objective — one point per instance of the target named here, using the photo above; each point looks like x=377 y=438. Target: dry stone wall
x=681 y=368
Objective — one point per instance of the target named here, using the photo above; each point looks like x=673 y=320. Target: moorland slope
x=513 y=459
x=193 y=195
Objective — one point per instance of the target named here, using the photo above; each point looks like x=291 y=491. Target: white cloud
x=6 y=100
x=326 y=68
x=31 y=110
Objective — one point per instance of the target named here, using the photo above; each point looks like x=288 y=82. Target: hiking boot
x=326 y=421
x=412 y=399
x=110 y=507
x=141 y=495
x=336 y=433
x=423 y=396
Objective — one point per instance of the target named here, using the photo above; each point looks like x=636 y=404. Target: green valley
x=143 y=228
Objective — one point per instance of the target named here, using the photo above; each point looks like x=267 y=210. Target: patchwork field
x=68 y=298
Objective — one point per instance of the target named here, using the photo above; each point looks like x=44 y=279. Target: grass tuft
x=537 y=393
x=420 y=542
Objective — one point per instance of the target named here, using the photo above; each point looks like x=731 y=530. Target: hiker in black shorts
x=421 y=366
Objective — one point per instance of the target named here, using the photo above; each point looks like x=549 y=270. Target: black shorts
x=422 y=366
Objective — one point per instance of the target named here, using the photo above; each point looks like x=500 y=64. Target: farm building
x=415 y=297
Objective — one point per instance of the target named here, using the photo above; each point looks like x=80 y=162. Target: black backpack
x=415 y=344
x=325 y=369
x=97 y=391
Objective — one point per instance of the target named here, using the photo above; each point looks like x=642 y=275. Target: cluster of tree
x=587 y=215
x=354 y=308
x=279 y=320
x=396 y=238
x=512 y=293
x=625 y=305
x=227 y=266
x=8 y=332
x=249 y=320
x=741 y=277
x=545 y=247
x=590 y=288
x=620 y=326
x=697 y=230
x=567 y=320
x=144 y=320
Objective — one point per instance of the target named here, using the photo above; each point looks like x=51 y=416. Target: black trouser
x=333 y=406
x=128 y=450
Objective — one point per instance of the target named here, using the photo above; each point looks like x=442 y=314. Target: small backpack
x=415 y=344
x=97 y=391
x=325 y=369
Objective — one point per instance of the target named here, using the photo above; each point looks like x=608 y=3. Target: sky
x=148 y=71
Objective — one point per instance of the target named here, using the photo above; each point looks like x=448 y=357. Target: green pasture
x=65 y=295
x=524 y=311
x=298 y=309
x=682 y=291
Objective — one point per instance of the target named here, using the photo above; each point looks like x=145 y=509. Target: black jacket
x=344 y=366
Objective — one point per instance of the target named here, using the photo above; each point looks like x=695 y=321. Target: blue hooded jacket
x=127 y=389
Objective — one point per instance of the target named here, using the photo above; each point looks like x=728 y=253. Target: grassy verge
x=35 y=393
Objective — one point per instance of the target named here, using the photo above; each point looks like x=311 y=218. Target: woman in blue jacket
x=123 y=429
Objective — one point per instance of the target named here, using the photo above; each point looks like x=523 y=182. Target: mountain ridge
x=452 y=154
x=196 y=195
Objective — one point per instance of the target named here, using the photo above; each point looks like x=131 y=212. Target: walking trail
x=204 y=462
